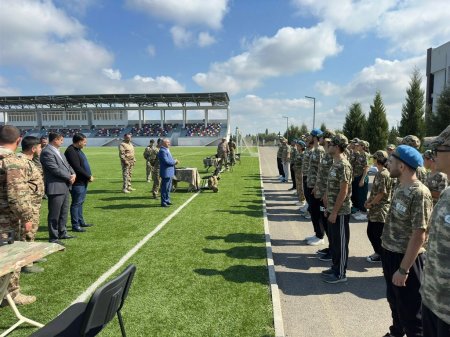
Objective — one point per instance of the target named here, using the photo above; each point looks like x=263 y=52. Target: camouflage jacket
x=436 y=275
x=313 y=167
x=36 y=180
x=422 y=174
x=306 y=156
x=126 y=152
x=382 y=183
x=280 y=149
x=410 y=209
x=294 y=154
x=222 y=149
x=285 y=153
x=154 y=160
x=340 y=171
x=361 y=161
x=232 y=147
x=15 y=197
x=147 y=152
x=298 y=163
x=322 y=175
x=436 y=182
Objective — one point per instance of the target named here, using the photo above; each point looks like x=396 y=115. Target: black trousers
x=339 y=236
x=405 y=302
x=280 y=167
x=316 y=218
x=374 y=231
x=58 y=209
x=433 y=326
x=305 y=191
x=294 y=181
x=359 y=194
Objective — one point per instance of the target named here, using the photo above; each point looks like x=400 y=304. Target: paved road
x=310 y=307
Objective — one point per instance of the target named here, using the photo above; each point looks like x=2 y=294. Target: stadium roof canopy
x=180 y=101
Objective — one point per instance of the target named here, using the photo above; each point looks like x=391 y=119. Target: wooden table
x=189 y=175
x=13 y=257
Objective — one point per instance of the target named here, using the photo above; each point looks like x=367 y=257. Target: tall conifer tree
x=378 y=127
x=355 y=122
x=412 y=122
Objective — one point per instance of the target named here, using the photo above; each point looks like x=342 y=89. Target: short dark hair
x=9 y=134
x=77 y=137
x=28 y=142
x=382 y=162
x=54 y=135
x=43 y=137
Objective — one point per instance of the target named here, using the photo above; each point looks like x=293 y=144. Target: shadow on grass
x=122 y=198
x=239 y=237
x=125 y=206
x=238 y=274
x=240 y=252
x=101 y=191
x=254 y=213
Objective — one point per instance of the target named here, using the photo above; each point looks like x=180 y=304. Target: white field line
x=130 y=253
x=276 y=302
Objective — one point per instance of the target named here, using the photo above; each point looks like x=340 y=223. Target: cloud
x=205 y=39
x=52 y=49
x=181 y=36
x=151 y=50
x=5 y=90
x=184 y=12
x=289 y=51
x=327 y=88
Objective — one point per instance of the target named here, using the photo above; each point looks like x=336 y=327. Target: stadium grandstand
x=184 y=118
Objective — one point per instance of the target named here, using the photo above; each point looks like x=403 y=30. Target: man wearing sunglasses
x=436 y=285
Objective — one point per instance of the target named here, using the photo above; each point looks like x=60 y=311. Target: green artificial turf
x=203 y=274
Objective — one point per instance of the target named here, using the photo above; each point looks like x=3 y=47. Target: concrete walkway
x=310 y=307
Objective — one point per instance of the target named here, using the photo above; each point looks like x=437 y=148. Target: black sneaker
x=78 y=229
x=325 y=258
x=328 y=272
x=334 y=279
x=323 y=251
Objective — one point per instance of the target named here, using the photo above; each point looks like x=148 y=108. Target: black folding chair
x=88 y=319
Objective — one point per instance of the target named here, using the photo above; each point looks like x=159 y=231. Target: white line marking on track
x=130 y=253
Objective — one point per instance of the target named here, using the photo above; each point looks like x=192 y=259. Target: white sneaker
x=309 y=238
x=305 y=208
x=298 y=203
x=307 y=216
x=361 y=217
x=356 y=215
x=315 y=242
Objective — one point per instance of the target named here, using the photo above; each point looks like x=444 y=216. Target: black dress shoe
x=87 y=225
x=165 y=205
x=169 y=203
x=78 y=229
x=67 y=236
x=58 y=242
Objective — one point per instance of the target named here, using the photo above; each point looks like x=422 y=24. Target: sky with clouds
x=267 y=54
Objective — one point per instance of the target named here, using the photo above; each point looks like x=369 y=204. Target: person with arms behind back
x=167 y=171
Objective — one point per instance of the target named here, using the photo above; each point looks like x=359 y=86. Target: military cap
x=380 y=155
x=339 y=139
x=443 y=139
x=355 y=140
x=411 y=140
x=366 y=144
x=283 y=139
x=301 y=143
x=152 y=140
x=327 y=135
x=428 y=154
x=390 y=147
x=316 y=132
x=409 y=155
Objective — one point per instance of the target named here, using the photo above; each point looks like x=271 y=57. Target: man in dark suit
x=78 y=161
x=58 y=177
x=167 y=171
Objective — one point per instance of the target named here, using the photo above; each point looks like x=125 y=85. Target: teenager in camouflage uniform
x=222 y=154
x=148 y=166
x=279 y=163
x=294 y=154
x=127 y=160
x=298 y=164
x=378 y=204
x=16 y=209
x=436 y=181
x=338 y=209
x=360 y=184
x=321 y=187
x=305 y=171
x=436 y=275
x=285 y=159
x=154 y=160
x=232 y=147
x=403 y=240
x=316 y=156
x=414 y=142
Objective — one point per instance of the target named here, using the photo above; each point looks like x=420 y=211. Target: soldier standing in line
x=154 y=160
x=338 y=208
x=378 y=204
x=436 y=275
x=389 y=149
x=360 y=184
x=414 y=142
x=294 y=154
x=279 y=163
x=403 y=240
x=305 y=172
x=16 y=210
x=321 y=187
x=222 y=154
x=316 y=156
x=232 y=147
x=301 y=146
x=436 y=181
x=148 y=165
x=285 y=159
x=127 y=160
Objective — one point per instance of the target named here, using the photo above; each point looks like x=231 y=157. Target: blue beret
x=302 y=143
x=409 y=155
x=316 y=132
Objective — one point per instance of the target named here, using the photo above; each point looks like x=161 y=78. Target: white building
x=438 y=73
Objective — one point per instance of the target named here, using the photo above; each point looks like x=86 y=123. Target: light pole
x=314 y=113
x=287 y=127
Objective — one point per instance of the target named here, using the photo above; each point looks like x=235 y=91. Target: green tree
x=323 y=127
x=378 y=130
x=355 y=122
x=393 y=134
x=441 y=118
x=412 y=122
x=303 y=129
x=294 y=133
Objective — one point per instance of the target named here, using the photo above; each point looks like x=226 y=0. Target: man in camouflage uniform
x=279 y=163
x=148 y=166
x=390 y=148
x=222 y=154
x=154 y=160
x=436 y=181
x=16 y=210
x=305 y=171
x=321 y=187
x=378 y=204
x=338 y=207
x=232 y=147
x=127 y=160
x=414 y=142
x=294 y=154
x=436 y=275
x=285 y=159
x=360 y=184
x=316 y=156
x=301 y=145
x=403 y=240
x=213 y=183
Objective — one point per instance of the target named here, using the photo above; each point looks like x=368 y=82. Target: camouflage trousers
x=30 y=236
x=13 y=285
x=232 y=158
x=127 y=172
x=148 y=170
x=299 y=185
x=156 y=181
x=213 y=183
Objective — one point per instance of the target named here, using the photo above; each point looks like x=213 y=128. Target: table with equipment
x=189 y=175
